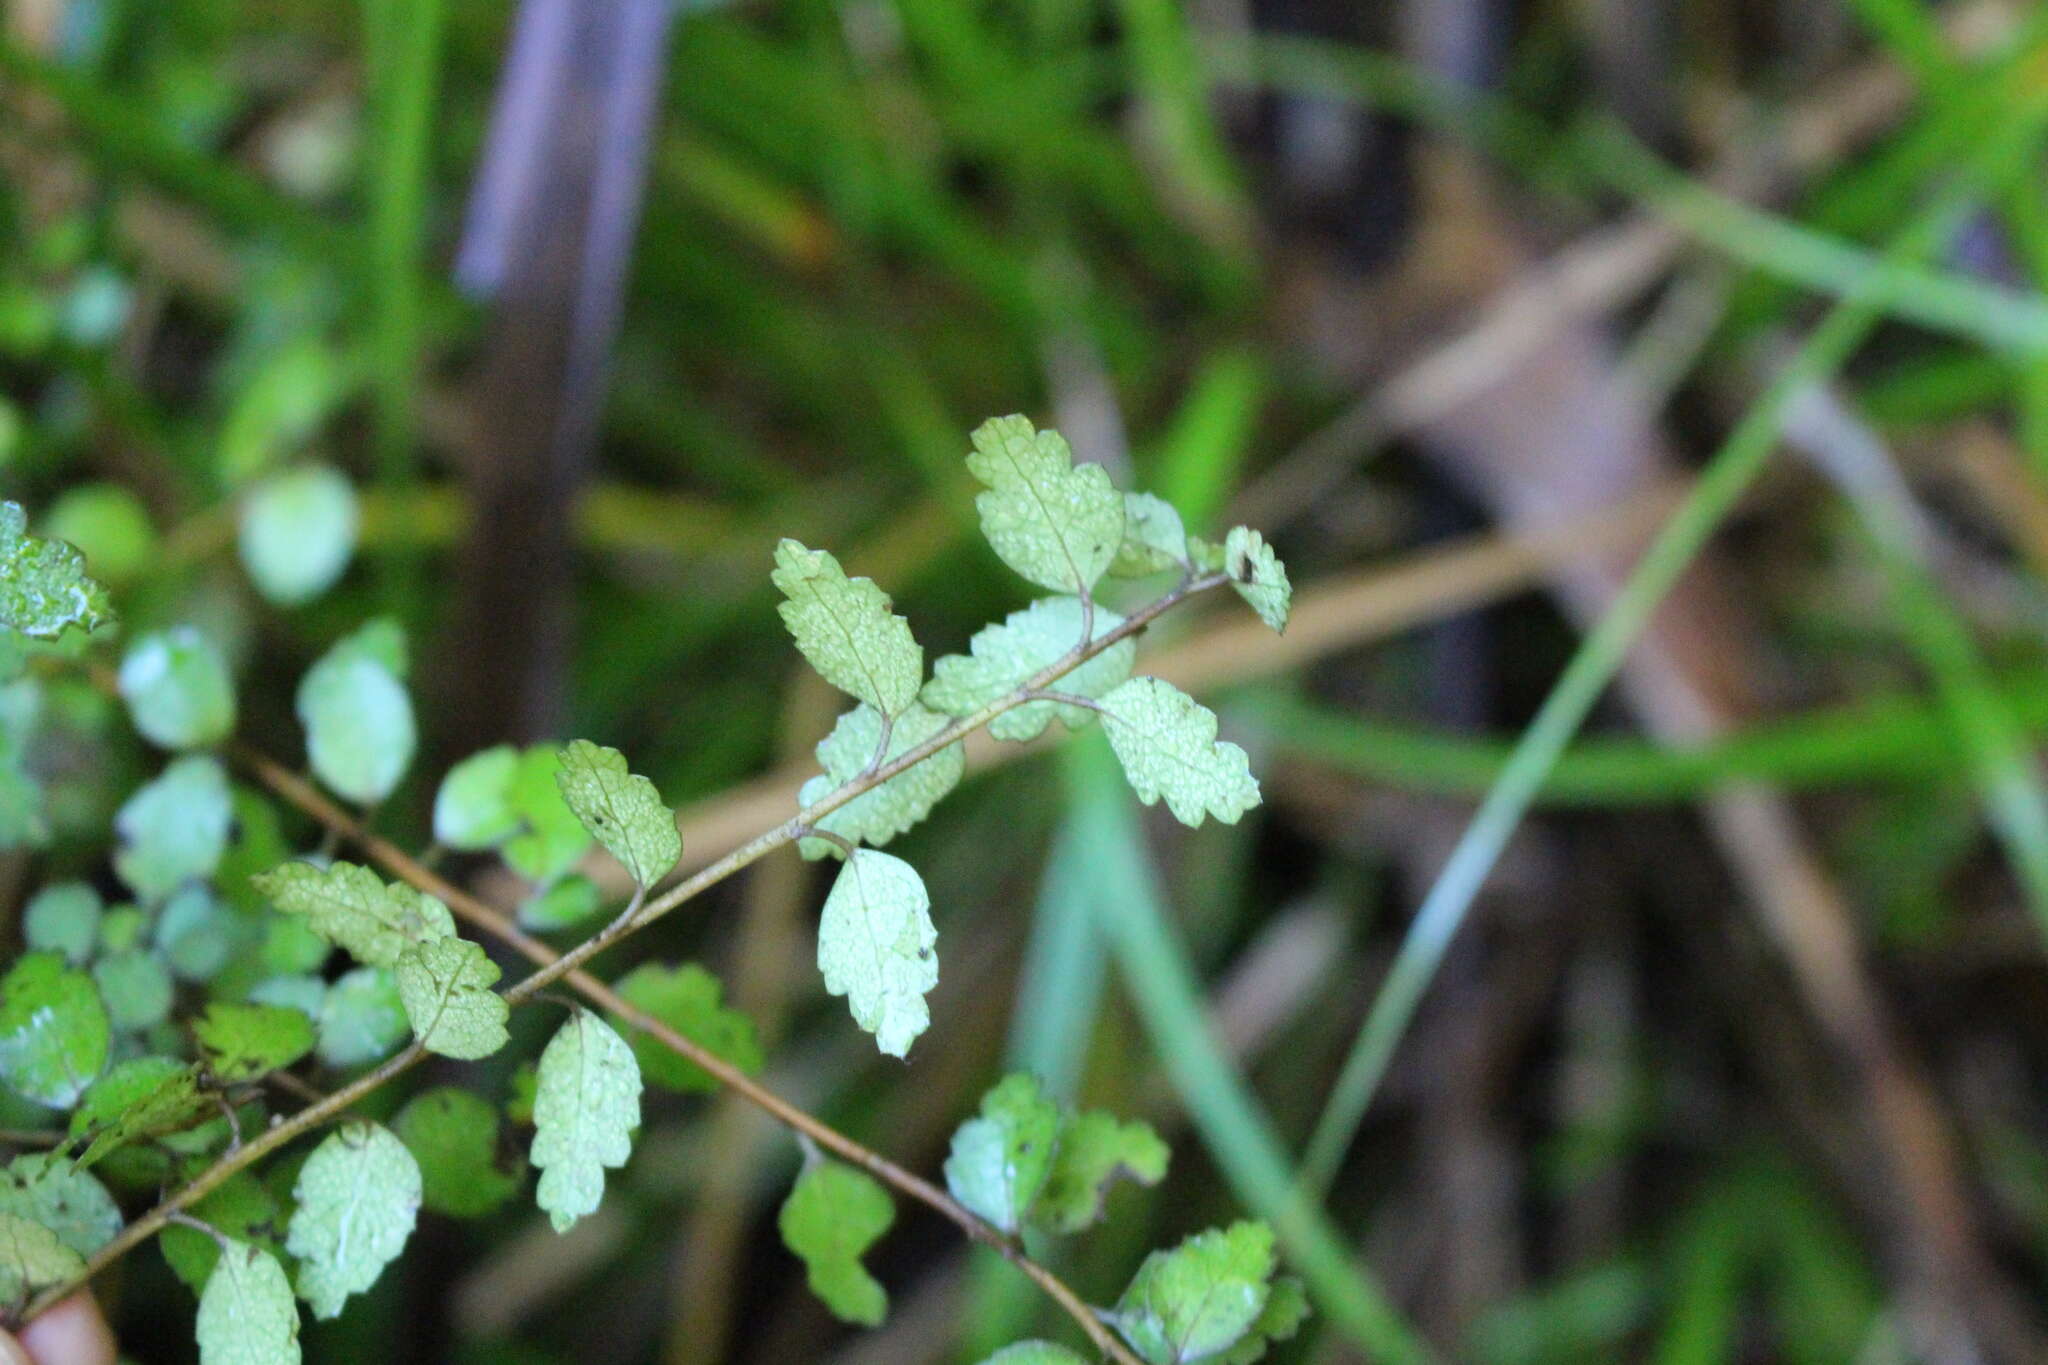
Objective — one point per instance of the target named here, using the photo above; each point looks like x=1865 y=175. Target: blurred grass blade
x=1132 y=917
x=1997 y=318
x=1994 y=743
x=403 y=38
x=1599 y=656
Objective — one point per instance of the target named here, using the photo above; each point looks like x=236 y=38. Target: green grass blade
x=1132 y=918
x=1599 y=656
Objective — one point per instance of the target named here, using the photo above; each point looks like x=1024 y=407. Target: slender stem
x=552 y=967
x=213 y=1177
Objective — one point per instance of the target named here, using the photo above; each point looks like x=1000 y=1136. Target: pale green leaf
x=292 y=991
x=63 y=917
x=290 y=945
x=381 y=640
x=876 y=947
x=553 y=840
x=1154 y=539
x=686 y=998
x=585 y=1108
x=1257 y=575
x=43 y=584
x=174 y=829
x=121 y=928
x=474 y=809
x=362 y=1018
x=1285 y=1311
x=349 y=905
x=356 y=1200
x=877 y=816
x=467 y=1169
x=246 y=1314
x=31 y=1260
x=621 y=809
x=54 y=1031
x=1003 y=657
x=445 y=985
x=845 y=628
x=1056 y=523
x=243 y=1042
x=1095 y=1150
x=1201 y=1298
x=46 y=1188
x=298 y=532
x=136 y=987
x=832 y=1216
x=1035 y=1353
x=178 y=690
x=359 y=724
x=289 y=392
x=242 y=1208
x=197 y=934
x=1166 y=742
x=109 y=525
x=1000 y=1160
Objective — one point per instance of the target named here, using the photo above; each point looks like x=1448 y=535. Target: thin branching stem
x=339 y=824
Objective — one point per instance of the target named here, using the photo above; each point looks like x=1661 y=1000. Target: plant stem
x=338 y=823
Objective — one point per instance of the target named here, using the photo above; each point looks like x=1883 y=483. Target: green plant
x=172 y=1028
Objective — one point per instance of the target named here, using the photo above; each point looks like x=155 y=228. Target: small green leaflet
x=466 y=1168
x=686 y=998
x=1166 y=742
x=356 y=1200
x=362 y=1017
x=1035 y=1353
x=562 y=905
x=121 y=928
x=1000 y=1160
x=141 y=1097
x=381 y=640
x=553 y=840
x=1258 y=576
x=1201 y=1298
x=845 y=628
x=1002 y=658
x=445 y=985
x=621 y=809
x=109 y=525
x=1095 y=1150
x=241 y=1207
x=246 y=1315
x=877 y=816
x=1154 y=538
x=174 y=829
x=178 y=690
x=347 y=904
x=244 y=1042
x=1055 y=523
x=31 y=1260
x=876 y=947
x=298 y=532
x=54 y=1031
x=63 y=917
x=43 y=585
x=136 y=987
x=832 y=1216
x=474 y=809
x=46 y=1188
x=292 y=990
x=585 y=1109
x=197 y=935
x=1286 y=1309
x=360 y=734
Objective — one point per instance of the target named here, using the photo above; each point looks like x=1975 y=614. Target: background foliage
x=1736 y=1055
